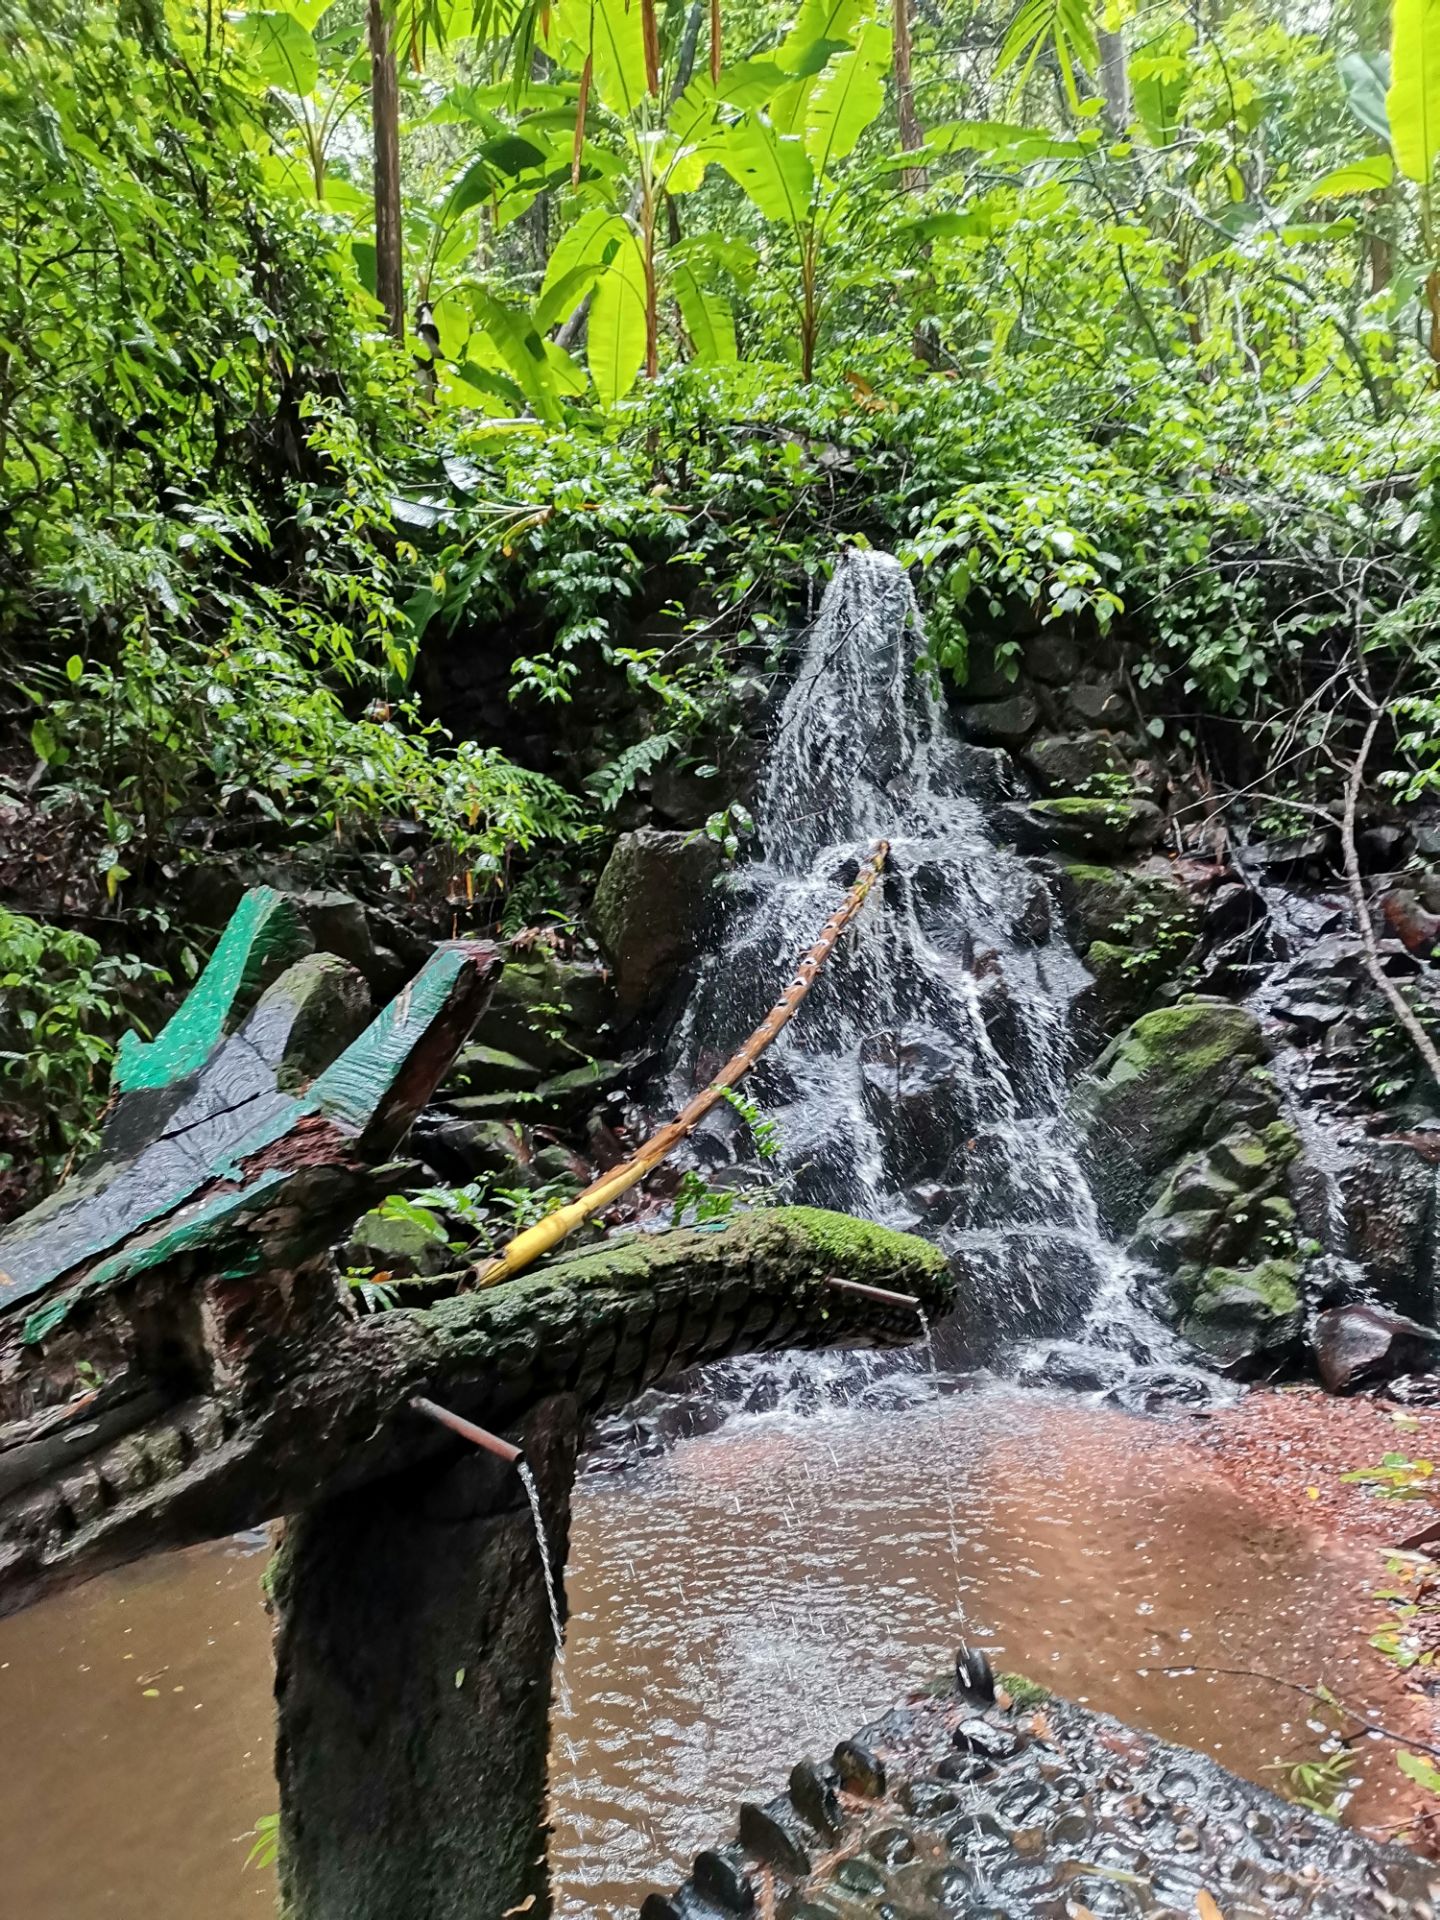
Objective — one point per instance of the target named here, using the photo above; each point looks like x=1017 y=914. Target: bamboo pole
x=528 y=1246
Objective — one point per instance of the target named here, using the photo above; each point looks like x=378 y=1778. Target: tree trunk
x=912 y=134
x=385 y=124
x=1114 y=79
x=413 y=1666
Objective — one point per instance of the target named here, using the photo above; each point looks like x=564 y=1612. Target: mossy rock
x=1065 y=762
x=650 y=905
x=1151 y=1092
x=1246 y=1318
x=1082 y=824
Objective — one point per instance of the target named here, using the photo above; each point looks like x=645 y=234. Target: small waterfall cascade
x=923 y=1086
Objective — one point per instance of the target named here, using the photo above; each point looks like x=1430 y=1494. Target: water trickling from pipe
x=552 y=1594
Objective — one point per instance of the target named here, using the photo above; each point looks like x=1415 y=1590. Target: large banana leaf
x=774 y=170
x=522 y=350
x=708 y=317
x=281 y=51
x=848 y=96
x=1413 y=102
x=1067 y=26
x=612 y=34
x=615 y=346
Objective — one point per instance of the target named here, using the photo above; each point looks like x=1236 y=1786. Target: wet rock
x=1389 y=1201
x=1246 y=1318
x=1079 y=824
x=1154 y=1089
x=399 y=1244
x=1065 y=762
x=547 y=1010
x=984 y=1738
x=974 y=1677
x=460 y=1149
x=861 y=1771
x=719 y=1878
x=1097 y=703
x=1359 y=1345
x=1004 y=722
x=918 y=1093
x=1290 y=856
x=763 y=1837
x=492 y=1070
x=649 y=906
x=1412 y=923
x=686 y=795
x=1381 y=847
x=815 y=1800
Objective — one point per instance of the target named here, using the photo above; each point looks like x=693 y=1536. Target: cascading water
x=924 y=1084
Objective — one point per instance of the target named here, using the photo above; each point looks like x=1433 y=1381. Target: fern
x=611 y=784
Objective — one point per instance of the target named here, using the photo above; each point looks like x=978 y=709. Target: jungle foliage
x=1129 y=319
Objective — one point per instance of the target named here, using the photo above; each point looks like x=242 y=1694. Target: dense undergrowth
x=1126 y=324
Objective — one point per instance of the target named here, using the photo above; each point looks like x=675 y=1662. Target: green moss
x=1189 y=1040
x=1080 y=808
x=859 y=1247
x=1024 y=1694
x=1272 y=1285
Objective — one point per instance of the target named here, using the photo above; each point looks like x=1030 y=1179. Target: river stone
x=1004 y=722
x=860 y=1770
x=1357 y=1345
x=771 y=1843
x=1153 y=1090
x=1063 y=762
x=1097 y=704
x=649 y=906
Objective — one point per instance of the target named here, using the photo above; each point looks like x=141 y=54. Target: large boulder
x=1064 y=762
x=1247 y=1319
x=649 y=907
x=1153 y=1091
x=1358 y=1345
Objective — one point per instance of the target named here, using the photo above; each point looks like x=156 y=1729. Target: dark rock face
x=1358 y=1345
x=649 y=907
x=1036 y=1815
x=1004 y=722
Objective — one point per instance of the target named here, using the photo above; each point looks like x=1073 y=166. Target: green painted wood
x=264 y=936
x=179 y=1164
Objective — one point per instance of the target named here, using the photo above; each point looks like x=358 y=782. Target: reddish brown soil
x=1290 y=1451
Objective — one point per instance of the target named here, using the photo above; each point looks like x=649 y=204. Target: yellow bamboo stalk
x=535 y=1241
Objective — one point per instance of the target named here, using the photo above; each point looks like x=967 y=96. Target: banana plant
x=1413 y=117
x=316 y=70
x=817 y=103
x=666 y=121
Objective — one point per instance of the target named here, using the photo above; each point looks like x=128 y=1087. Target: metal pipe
x=882 y=1294
x=467 y=1430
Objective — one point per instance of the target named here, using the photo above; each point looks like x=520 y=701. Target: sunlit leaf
x=773 y=170
x=1413 y=102
x=708 y=317
x=615 y=347
x=281 y=50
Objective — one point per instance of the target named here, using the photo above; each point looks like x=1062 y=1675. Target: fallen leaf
x=1207 y=1906
x=1312 y=1493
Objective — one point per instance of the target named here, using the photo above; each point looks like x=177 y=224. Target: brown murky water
x=747 y=1598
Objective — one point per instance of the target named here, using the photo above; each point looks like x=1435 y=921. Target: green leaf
x=522 y=350
x=612 y=33
x=615 y=347
x=1371 y=175
x=1367 y=78
x=1423 y=1772
x=280 y=50
x=847 y=97
x=74 y=667
x=818 y=22
x=708 y=317
x=774 y=172
x=1413 y=102
x=1066 y=26
x=1159 y=79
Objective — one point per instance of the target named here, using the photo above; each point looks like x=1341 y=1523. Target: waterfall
x=924 y=1084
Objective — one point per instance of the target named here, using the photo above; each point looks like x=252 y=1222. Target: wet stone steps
x=950 y=1809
